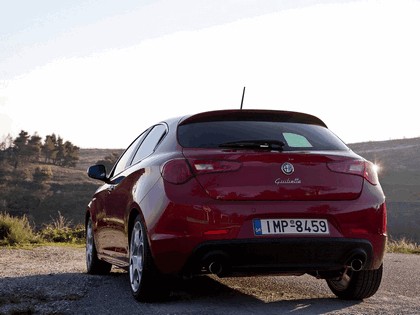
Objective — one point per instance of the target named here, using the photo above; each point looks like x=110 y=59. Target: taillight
x=370 y=173
x=214 y=166
x=179 y=171
x=176 y=171
x=362 y=168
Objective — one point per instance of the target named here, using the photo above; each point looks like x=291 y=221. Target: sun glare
x=377 y=167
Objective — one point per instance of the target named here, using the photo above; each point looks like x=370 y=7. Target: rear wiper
x=254 y=144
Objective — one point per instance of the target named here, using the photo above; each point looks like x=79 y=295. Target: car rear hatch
x=247 y=175
x=269 y=155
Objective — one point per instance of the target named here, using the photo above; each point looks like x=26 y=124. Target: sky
x=99 y=72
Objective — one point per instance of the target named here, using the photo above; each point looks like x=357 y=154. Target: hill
x=69 y=190
x=399 y=174
x=399 y=163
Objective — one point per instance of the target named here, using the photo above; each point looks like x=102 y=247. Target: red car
x=239 y=192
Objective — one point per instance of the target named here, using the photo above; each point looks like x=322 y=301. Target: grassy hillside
x=69 y=190
x=88 y=157
x=399 y=162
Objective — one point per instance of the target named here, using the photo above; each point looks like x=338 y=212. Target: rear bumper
x=276 y=256
x=184 y=234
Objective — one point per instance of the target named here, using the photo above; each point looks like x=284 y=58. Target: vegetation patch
x=60 y=230
x=402 y=246
x=16 y=231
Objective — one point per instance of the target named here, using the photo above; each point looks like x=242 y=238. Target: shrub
x=61 y=231
x=15 y=230
x=42 y=174
x=66 y=235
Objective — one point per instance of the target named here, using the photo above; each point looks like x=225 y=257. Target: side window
x=149 y=144
x=122 y=163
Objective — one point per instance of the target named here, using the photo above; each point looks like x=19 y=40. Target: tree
x=20 y=148
x=26 y=148
x=59 y=148
x=34 y=147
x=71 y=154
x=6 y=143
x=6 y=148
x=48 y=148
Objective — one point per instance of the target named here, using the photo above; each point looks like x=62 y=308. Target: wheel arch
x=131 y=218
x=87 y=216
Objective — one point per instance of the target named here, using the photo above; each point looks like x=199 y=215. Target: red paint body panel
x=212 y=212
x=259 y=177
x=347 y=219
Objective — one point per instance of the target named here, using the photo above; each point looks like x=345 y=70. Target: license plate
x=290 y=226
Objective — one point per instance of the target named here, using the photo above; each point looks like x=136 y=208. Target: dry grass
x=402 y=246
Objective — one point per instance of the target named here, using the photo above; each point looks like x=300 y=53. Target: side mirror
x=97 y=172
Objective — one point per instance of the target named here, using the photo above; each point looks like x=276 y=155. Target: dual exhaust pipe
x=217 y=263
x=217 y=268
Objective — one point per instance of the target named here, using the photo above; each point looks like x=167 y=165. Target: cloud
x=83 y=28
x=354 y=65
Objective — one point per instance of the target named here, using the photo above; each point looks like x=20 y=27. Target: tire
x=356 y=285
x=146 y=283
x=94 y=265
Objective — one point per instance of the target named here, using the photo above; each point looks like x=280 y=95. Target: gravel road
x=52 y=280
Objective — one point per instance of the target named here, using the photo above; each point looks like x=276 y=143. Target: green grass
x=16 y=231
x=60 y=230
x=74 y=235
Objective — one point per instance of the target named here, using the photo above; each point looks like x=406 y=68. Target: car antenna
x=242 y=101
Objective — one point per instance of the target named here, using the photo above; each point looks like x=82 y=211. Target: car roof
x=253 y=114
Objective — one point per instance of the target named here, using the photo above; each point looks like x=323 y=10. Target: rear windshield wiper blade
x=254 y=144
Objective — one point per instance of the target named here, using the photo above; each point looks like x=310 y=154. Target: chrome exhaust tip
x=356 y=265
x=215 y=267
x=357 y=260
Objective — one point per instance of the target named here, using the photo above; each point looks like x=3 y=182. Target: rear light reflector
x=362 y=168
x=176 y=171
x=216 y=232
x=214 y=166
x=384 y=219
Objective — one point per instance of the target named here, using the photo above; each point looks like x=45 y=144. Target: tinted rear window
x=296 y=136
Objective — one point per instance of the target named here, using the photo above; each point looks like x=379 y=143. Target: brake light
x=362 y=168
x=214 y=166
x=176 y=171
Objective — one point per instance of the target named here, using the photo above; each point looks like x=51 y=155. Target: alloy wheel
x=136 y=256
x=89 y=243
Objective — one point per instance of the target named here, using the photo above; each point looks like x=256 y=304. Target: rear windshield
x=295 y=136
